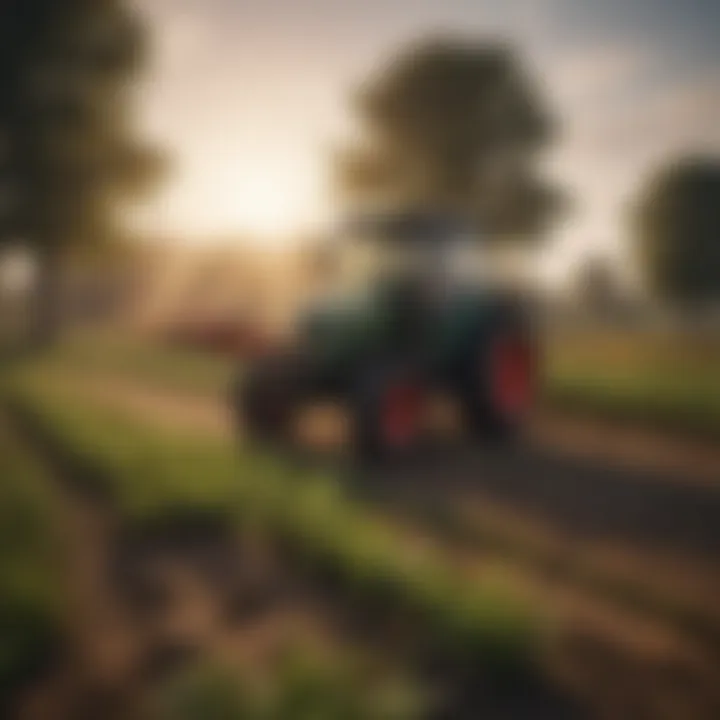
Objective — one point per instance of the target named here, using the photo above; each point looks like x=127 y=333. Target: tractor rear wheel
x=388 y=410
x=500 y=381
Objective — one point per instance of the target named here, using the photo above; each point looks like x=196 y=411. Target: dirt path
x=661 y=453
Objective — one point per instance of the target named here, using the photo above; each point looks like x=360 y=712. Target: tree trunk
x=48 y=313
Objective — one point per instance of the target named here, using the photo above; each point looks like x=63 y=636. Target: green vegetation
x=304 y=688
x=441 y=118
x=30 y=575
x=166 y=477
x=675 y=224
x=67 y=96
x=128 y=357
x=650 y=398
x=669 y=380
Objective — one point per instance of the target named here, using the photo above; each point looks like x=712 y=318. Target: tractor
x=418 y=315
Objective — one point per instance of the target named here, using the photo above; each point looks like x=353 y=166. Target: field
x=667 y=379
x=663 y=378
x=227 y=582
x=160 y=482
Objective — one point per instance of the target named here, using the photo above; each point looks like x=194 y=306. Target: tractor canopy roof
x=421 y=227
x=429 y=246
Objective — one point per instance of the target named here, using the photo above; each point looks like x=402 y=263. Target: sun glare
x=266 y=202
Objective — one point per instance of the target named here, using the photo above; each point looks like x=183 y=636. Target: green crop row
x=680 y=402
x=302 y=688
x=162 y=477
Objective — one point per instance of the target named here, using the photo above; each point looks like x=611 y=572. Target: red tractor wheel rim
x=513 y=375
x=400 y=414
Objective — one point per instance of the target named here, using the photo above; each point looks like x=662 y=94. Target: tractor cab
x=427 y=253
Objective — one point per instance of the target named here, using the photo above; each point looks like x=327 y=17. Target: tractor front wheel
x=500 y=382
x=388 y=413
x=266 y=398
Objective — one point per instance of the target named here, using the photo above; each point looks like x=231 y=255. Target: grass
x=659 y=379
x=31 y=598
x=303 y=688
x=160 y=477
x=135 y=358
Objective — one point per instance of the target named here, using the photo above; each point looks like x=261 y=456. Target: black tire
x=483 y=414
x=370 y=438
x=266 y=397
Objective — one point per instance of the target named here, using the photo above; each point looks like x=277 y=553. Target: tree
x=676 y=231
x=456 y=125
x=68 y=155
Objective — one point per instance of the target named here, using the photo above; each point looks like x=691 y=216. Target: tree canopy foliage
x=69 y=156
x=676 y=231
x=456 y=125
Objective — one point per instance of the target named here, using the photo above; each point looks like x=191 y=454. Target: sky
x=250 y=96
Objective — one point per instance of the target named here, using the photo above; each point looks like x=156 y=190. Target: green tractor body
x=344 y=337
x=411 y=331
